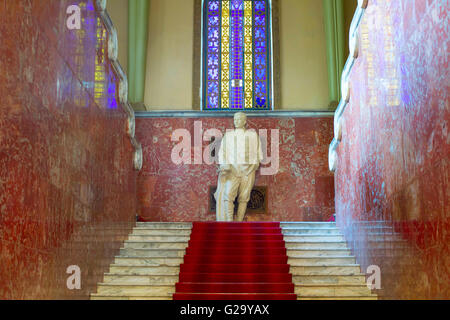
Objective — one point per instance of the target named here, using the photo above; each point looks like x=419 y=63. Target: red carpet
x=235 y=261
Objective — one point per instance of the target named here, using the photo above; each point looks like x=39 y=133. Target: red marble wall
x=302 y=190
x=67 y=185
x=392 y=177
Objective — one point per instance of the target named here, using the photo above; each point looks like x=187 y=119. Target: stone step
x=398 y=245
x=167 y=238
x=104 y=233
x=140 y=279
x=147 y=261
x=314 y=231
x=165 y=225
x=325 y=270
x=339 y=298
x=373 y=222
x=383 y=234
x=383 y=228
x=88 y=239
x=155 y=253
x=319 y=245
x=321 y=261
x=388 y=243
x=144 y=270
x=155 y=245
x=310 y=237
x=329 y=279
x=119 y=227
x=118 y=297
x=148 y=266
x=135 y=290
x=309 y=224
x=333 y=290
x=316 y=252
x=161 y=232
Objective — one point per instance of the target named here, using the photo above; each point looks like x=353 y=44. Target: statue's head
x=240 y=120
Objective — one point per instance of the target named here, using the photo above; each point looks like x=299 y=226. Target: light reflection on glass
x=392 y=80
x=90 y=63
x=99 y=86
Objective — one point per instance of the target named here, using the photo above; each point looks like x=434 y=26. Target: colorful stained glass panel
x=213 y=55
x=236 y=55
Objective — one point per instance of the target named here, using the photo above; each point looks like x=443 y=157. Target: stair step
x=223 y=224
x=397 y=245
x=237 y=244
x=140 y=279
x=315 y=231
x=235 y=277
x=317 y=253
x=165 y=225
x=134 y=290
x=333 y=290
x=240 y=287
x=154 y=253
x=147 y=261
x=160 y=232
x=235 y=237
x=236 y=258
x=386 y=238
x=339 y=298
x=155 y=245
x=234 y=296
x=325 y=270
x=328 y=279
x=309 y=224
x=320 y=261
x=235 y=229
x=235 y=268
x=232 y=250
x=319 y=245
x=311 y=237
x=143 y=270
x=120 y=297
x=169 y=238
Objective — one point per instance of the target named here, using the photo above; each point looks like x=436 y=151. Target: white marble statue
x=240 y=154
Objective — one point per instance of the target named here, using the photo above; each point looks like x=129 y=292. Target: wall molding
x=345 y=84
x=228 y=114
x=113 y=46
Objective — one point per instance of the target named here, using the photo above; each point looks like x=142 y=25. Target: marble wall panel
x=392 y=188
x=67 y=183
x=302 y=189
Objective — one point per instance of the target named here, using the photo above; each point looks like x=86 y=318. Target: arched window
x=237 y=65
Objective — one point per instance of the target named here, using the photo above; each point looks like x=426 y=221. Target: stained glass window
x=236 y=55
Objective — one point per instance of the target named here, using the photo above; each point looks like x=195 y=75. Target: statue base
x=257 y=203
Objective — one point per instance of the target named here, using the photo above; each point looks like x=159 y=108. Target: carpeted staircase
x=321 y=263
x=250 y=261
x=235 y=261
x=148 y=265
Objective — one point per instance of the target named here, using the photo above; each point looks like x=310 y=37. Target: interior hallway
x=79 y=162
